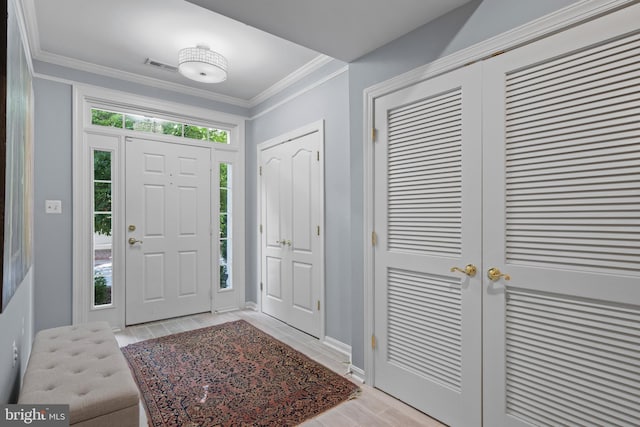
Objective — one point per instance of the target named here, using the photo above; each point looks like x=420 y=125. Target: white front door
x=427 y=221
x=291 y=246
x=168 y=254
x=562 y=219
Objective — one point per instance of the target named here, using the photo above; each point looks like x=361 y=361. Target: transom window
x=140 y=123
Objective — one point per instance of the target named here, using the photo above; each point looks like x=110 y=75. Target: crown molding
x=89 y=67
x=559 y=20
x=308 y=68
x=33 y=37
x=23 y=26
x=301 y=92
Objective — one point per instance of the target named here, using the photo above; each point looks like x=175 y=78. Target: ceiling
x=263 y=41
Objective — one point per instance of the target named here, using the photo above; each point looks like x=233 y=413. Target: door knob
x=495 y=274
x=133 y=241
x=287 y=242
x=470 y=270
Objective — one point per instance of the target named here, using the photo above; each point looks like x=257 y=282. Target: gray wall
x=329 y=102
x=338 y=102
x=53 y=180
x=16 y=324
x=459 y=29
x=52 y=232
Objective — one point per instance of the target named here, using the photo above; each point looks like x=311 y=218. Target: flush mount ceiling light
x=202 y=64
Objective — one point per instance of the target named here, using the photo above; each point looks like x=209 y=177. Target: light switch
x=53 y=206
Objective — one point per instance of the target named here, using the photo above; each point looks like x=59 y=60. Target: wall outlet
x=53 y=206
x=15 y=354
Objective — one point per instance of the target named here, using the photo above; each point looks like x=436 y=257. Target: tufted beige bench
x=82 y=366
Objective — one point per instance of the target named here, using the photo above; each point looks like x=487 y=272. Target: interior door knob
x=495 y=274
x=470 y=270
x=133 y=241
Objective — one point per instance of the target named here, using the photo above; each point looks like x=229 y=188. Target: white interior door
x=291 y=214
x=168 y=255
x=427 y=203
x=562 y=219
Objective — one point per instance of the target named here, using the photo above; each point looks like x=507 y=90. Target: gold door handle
x=287 y=242
x=470 y=270
x=133 y=241
x=495 y=274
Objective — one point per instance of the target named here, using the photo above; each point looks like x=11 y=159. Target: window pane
x=102 y=278
x=223 y=226
x=217 y=135
x=138 y=123
x=102 y=196
x=170 y=128
x=223 y=199
x=223 y=175
x=225 y=283
x=102 y=224
x=102 y=165
x=195 y=132
x=106 y=118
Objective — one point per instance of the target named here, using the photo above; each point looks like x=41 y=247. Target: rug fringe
x=356 y=393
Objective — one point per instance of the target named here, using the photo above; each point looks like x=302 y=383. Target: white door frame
x=297 y=133
x=84 y=98
x=564 y=18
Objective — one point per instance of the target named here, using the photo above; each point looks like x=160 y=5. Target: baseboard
x=338 y=346
x=357 y=373
x=226 y=310
x=251 y=305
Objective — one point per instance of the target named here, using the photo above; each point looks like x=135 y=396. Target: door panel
x=168 y=265
x=291 y=203
x=275 y=211
x=562 y=336
x=427 y=196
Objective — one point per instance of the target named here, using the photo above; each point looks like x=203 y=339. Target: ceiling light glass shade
x=202 y=65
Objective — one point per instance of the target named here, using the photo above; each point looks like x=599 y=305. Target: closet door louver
x=427 y=318
x=425 y=175
x=573 y=160
x=562 y=218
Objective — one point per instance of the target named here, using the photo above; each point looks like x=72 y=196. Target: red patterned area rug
x=231 y=375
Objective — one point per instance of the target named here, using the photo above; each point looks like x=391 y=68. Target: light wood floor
x=371 y=408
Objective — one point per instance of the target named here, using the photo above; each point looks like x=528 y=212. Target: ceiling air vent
x=160 y=65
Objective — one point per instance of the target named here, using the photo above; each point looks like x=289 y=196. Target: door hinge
x=261 y=286
x=374 y=238
x=374 y=134
x=260 y=170
x=318 y=230
x=373 y=342
x=318 y=305
x=318 y=155
x=260 y=228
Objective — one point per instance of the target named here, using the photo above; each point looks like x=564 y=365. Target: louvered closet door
x=562 y=218
x=427 y=206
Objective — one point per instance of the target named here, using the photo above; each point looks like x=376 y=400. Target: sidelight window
x=102 y=228
x=225 y=219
